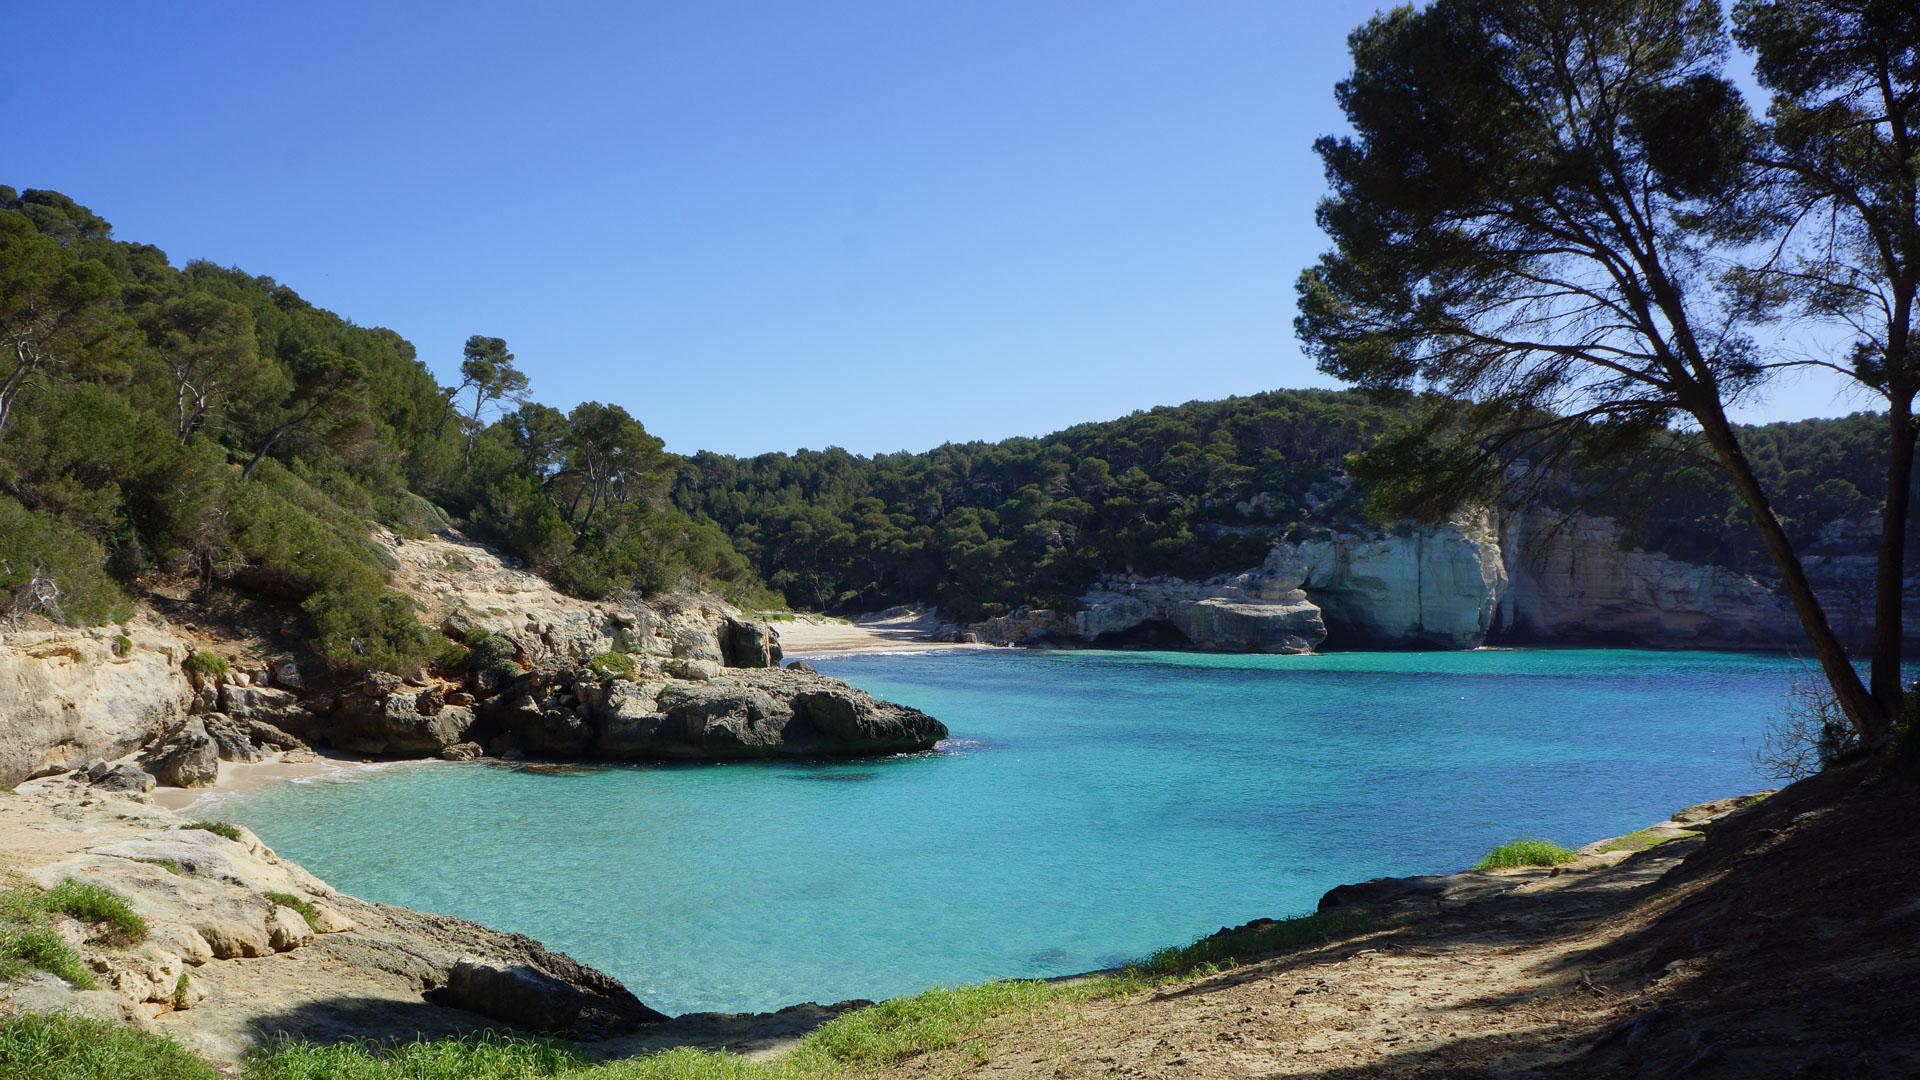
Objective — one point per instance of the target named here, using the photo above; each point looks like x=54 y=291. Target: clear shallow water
x=1092 y=806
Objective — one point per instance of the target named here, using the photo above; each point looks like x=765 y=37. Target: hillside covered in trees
x=1192 y=491
x=202 y=421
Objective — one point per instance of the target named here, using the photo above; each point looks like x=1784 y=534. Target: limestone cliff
x=1435 y=587
x=68 y=696
x=1261 y=611
x=1572 y=580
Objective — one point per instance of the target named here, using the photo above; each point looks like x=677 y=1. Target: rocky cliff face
x=1519 y=577
x=1572 y=581
x=1437 y=587
x=70 y=696
x=1261 y=611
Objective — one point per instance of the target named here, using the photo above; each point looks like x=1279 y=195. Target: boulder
x=379 y=684
x=526 y=997
x=187 y=757
x=234 y=738
x=749 y=643
x=395 y=725
x=287 y=930
x=458 y=625
x=125 y=777
x=70 y=696
x=257 y=702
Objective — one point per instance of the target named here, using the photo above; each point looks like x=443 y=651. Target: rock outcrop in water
x=1262 y=611
x=1436 y=587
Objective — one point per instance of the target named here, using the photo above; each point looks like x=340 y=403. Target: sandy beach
x=244 y=776
x=815 y=635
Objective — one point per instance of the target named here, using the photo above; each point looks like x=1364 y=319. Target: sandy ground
x=245 y=776
x=813 y=635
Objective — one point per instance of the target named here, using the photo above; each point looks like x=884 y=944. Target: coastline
x=236 y=777
x=812 y=635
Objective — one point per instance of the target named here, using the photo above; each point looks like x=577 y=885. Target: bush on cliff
x=52 y=569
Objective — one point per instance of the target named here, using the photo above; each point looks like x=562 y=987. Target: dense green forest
x=203 y=421
x=200 y=420
x=1193 y=490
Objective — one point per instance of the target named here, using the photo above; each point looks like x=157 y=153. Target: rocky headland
x=684 y=677
x=1519 y=577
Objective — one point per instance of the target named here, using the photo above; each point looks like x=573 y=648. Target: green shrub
x=51 y=568
x=611 y=665
x=99 y=904
x=207 y=665
x=491 y=652
x=181 y=991
x=65 y=1047
x=299 y=906
x=223 y=828
x=28 y=942
x=1524 y=852
x=122 y=645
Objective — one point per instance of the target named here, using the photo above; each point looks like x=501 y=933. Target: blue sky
x=758 y=226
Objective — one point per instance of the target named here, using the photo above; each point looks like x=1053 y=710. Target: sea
x=1090 y=807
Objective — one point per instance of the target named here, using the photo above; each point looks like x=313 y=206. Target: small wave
x=834 y=778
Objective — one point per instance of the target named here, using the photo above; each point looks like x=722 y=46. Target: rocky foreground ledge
x=232 y=956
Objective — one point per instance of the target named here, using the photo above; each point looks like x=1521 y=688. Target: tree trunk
x=1889 y=631
x=1860 y=706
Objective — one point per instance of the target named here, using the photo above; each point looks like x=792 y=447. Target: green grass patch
x=28 y=942
x=305 y=910
x=1518 y=853
x=611 y=665
x=221 y=828
x=34 y=1047
x=97 y=904
x=168 y=865
x=122 y=645
x=489 y=1056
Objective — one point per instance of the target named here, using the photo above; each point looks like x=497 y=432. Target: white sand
x=812 y=635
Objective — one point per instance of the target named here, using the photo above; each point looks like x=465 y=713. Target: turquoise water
x=1091 y=807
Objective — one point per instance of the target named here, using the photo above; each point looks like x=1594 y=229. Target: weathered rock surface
x=254 y=966
x=745 y=713
x=1437 y=587
x=186 y=757
x=69 y=696
x=1572 y=581
x=1262 y=611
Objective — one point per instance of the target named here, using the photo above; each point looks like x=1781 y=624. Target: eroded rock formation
x=70 y=696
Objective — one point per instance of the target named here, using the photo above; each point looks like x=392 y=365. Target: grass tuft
x=97 y=904
x=611 y=665
x=305 y=909
x=488 y=1056
x=35 y=1047
x=1518 y=853
x=168 y=865
x=222 y=828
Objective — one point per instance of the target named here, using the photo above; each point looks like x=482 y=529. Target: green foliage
x=1525 y=852
x=611 y=665
x=220 y=828
x=65 y=1047
x=491 y=652
x=207 y=665
x=51 y=568
x=490 y=1056
x=122 y=645
x=299 y=906
x=168 y=865
x=981 y=528
x=97 y=904
x=29 y=943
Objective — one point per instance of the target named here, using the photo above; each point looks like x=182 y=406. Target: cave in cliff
x=1151 y=634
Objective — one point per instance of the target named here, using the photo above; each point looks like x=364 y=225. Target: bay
x=1091 y=807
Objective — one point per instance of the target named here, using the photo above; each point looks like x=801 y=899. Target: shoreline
x=816 y=636
x=236 y=777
